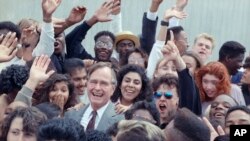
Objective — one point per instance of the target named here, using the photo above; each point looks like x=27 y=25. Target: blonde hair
x=154 y=133
x=207 y=37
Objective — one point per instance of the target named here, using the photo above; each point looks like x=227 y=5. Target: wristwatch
x=164 y=23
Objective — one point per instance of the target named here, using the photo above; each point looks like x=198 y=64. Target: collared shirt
x=88 y=115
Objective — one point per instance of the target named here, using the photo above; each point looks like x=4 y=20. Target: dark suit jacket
x=147 y=38
x=108 y=118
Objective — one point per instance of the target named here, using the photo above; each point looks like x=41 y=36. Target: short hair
x=145 y=92
x=143 y=105
x=13 y=78
x=231 y=49
x=176 y=31
x=10 y=26
x=196 y=58
x=50 y=83
x=101 y=65
x=95 y=135
x=169 y=80
x=51 y=110
x=235 y=108
x=72 y=64
x=61 y=129
x=207 y=37
x=139 y=130
x=31 y=116
x=124 y=60
x=218 y=70
x=105 y=33
x=190 y=126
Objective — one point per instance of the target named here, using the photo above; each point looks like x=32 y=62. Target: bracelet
x=164 y=23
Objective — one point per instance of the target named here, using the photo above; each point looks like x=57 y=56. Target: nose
x=219 y=106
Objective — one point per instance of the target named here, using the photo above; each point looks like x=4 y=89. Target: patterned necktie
x=91 y=124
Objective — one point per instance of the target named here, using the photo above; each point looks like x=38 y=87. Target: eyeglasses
x=101 y=44
x=168 y=94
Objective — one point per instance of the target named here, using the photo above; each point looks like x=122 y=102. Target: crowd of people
x=155 y=87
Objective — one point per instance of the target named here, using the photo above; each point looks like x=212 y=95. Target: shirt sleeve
x=46 y=43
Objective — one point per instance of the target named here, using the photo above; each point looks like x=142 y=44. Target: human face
x=124 y=46
x=209 y=84
x=59 y=44
x=137 y=59
x=165 y=67
x=100 y=87
x=167 y=107
x=191 y=63
x=234 y=64
x=103 y=48
x=203 y=47
x=181 y=42
x=143 y=115
x=12 y=106
x=246 y=76
x=219 y=108
x=79 y=79
x=59 y=88
x=237 y=117
x=130 y=87
x=16 y=132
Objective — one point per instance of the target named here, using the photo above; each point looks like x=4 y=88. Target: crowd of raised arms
x=154 y=87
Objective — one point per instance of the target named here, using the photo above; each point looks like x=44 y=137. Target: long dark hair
x=146 y=91
x=50 y=83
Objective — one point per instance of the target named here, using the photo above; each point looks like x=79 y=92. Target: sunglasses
x=168 y=94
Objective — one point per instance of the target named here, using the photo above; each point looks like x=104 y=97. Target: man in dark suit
x=100 y=113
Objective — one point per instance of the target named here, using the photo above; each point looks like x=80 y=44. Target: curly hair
x=50 y=83
x=13 y=78
x=146 y=90
x=31 y=116
x=218 y=70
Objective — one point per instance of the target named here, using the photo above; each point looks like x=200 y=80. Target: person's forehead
x=166 y=63
x=224 y=98
x=104 y=38
x=238 y=114
x=125 y=41
x=101 y=72
x=135 y=55
x=78 y=71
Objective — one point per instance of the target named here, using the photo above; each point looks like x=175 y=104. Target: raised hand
x=76 y=15
x=172 y=12
x=59 y=100
x=49 y=7
x=116 y=9
x=181 y=4
x=103 y=13
x=170 y=50
x=121 y=108
x=38 y=70
x=8 y=46
x=155 y=5
x=213 y=132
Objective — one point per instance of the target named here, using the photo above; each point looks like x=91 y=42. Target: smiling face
x=167 y=107
x=219 y=108
x=16 y=132
x=103 y=48
x=209 y=85
x=100 y=87
x=130 y=87
x=60 y=88
x=79 y=79
x=203 y=47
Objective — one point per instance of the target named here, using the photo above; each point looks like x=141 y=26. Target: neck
x=125 y=102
